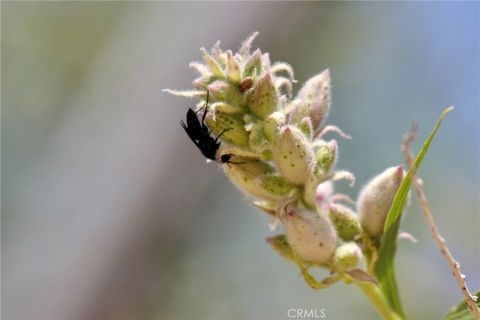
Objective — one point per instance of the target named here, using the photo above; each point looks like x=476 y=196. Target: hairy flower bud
x=347 y=256
x=263 y=98
x=273 y=123
x=233 y=69
x=257 y=140
x=258 y=179
x=326 y=158
x=375 y=199
x=233 y=124
x=293 y=154
x=310 y=235
x=345 y=221
x=313 y=101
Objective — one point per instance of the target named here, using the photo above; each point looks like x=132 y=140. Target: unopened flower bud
x=313 y=100
x=310 y=235
x=345 y=221
x=324 y=194
x=222 y=91
x=375 y=199
x=347 y=256
x=326 y=157
x=254 y=64
x=292 y=154
x=233 y=69
x=257 y=179
x=273 y=123
x=257 y=140
x=212 y=64
x=263 y=98
x=306 y=126
x=230 y=126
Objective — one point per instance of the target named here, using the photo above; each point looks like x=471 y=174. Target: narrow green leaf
x=384 y=268
x=460 y=311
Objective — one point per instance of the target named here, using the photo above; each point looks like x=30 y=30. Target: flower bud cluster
x=279 y=157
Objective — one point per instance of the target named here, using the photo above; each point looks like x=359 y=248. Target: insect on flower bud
x=230 y=126
x=310 y=235
x=292 y=154
x=263 y=98
x=347 y=256
x=345 y=221
x=375 y=199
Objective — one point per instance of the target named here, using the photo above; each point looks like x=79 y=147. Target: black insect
x=200 y=135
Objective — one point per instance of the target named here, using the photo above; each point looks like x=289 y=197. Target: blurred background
x=110 y=212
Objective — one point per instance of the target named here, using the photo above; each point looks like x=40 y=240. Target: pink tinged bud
x=293 y=155
x=233 y=69
x=345 y=221
x=212 y=64
x=314 y=100
x=263 y=99
x=375 y=199
x=347 y=257
x=311 y=236
x=324 y=194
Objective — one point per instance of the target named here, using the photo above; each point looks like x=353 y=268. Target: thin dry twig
x=454 y=265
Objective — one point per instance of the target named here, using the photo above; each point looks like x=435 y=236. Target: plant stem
x=376 y=296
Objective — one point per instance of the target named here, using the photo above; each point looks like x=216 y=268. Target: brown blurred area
x=109 y=211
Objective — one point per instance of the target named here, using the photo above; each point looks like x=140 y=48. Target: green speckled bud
x=273 y=123
x=311 y=236
x=245 y=176
x=345 y=221
x=257 y=178
x=375 y=199
x=347 y=257
x=222 y=91
x=236 y=135
x=313 y=101
x=326 y=157
x=275 y=185
x=257 y=140
x=293 y=155
x=253 y=66
x=306 y=126
x=262 y=100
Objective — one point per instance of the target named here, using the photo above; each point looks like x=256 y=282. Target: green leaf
x=460 y=311
x=384 y=268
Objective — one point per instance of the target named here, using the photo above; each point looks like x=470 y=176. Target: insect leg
x=225 y=130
